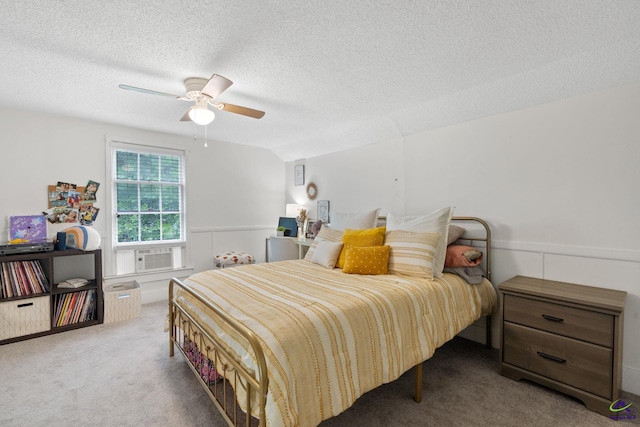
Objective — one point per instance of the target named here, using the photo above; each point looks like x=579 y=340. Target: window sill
x=137 y=246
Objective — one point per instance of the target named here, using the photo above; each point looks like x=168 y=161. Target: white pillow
x=324 y=234
x=354 y=220
x=327 y=253
x=435 y=222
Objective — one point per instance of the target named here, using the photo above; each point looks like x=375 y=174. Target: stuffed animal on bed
x=315 y=228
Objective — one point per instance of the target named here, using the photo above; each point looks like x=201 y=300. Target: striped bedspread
x=330 y=337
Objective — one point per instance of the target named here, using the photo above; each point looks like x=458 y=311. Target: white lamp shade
x=201 y=115
x=292 y=210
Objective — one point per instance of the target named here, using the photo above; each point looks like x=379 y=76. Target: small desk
x=302 y=242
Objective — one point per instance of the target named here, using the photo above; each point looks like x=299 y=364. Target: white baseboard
x=154 y=295
x=631 y=380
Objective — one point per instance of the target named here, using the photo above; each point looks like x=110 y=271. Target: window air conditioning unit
x=154 y=260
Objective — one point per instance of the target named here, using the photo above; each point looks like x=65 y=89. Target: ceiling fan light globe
x=201 y=116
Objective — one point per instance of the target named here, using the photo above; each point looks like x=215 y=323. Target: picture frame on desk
x=310 y=234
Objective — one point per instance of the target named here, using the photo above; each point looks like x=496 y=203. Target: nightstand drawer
x=571 y=322
x=576 y=363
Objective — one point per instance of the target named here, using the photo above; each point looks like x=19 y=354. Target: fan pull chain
x=195 y=137
x=205 y=137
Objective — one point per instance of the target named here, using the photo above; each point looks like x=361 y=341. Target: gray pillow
x=455 y=233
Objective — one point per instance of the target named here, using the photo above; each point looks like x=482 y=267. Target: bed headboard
x=477 y=233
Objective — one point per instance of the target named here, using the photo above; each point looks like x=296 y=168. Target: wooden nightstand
x=564 y=336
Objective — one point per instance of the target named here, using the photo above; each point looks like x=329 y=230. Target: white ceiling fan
x=203 y=92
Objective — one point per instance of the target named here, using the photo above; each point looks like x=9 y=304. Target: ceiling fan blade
x=256 y=114
x=215 y=86
x=186 y=117
x=150 y=92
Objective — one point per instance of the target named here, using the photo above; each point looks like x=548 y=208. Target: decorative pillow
x=436 y=222
x=462 y=256
x=327 y=253
x=324 y=234
x=354 y=220
x=81 y=237
x=412 y=254
x=455 y=233
x=367 y=260
x=368 y=237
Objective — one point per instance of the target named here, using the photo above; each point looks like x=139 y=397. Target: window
x=147 y=194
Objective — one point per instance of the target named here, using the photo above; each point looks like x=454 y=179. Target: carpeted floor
x=120 y=374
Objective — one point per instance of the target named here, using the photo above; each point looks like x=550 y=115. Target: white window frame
x=111 y=243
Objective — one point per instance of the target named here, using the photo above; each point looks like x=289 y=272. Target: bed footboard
x=216 y=366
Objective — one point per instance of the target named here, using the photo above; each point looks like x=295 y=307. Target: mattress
x=329 y=337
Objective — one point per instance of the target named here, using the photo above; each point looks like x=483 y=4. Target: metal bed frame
x=184 y=330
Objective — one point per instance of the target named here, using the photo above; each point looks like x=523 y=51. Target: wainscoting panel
x=507 y=263
x=208 y=242
x=201 y=251
x=611 y=274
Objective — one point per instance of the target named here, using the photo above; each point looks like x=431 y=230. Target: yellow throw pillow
x=367 y=260
x=360 y=238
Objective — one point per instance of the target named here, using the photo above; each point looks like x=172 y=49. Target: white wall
x=558 y=183
x=234 y=192
x=363 y=178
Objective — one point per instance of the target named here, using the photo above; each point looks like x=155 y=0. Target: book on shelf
x=69 y=310
x=57 y=307
x=4 y=291
x=21 y=278
x=74 y=307
x=85 y=308
x=64 y=301
x=73 y=283
x=18 y=277
x=36 y=275
x=75 y=317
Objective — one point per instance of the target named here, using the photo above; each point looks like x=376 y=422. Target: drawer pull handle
x=550 y=357
x=28 y=304
x=553 y=318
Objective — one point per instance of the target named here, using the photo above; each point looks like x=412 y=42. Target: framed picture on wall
x=298 y=175
x=323 y=211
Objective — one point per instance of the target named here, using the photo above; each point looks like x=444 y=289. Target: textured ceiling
x=330 y=74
